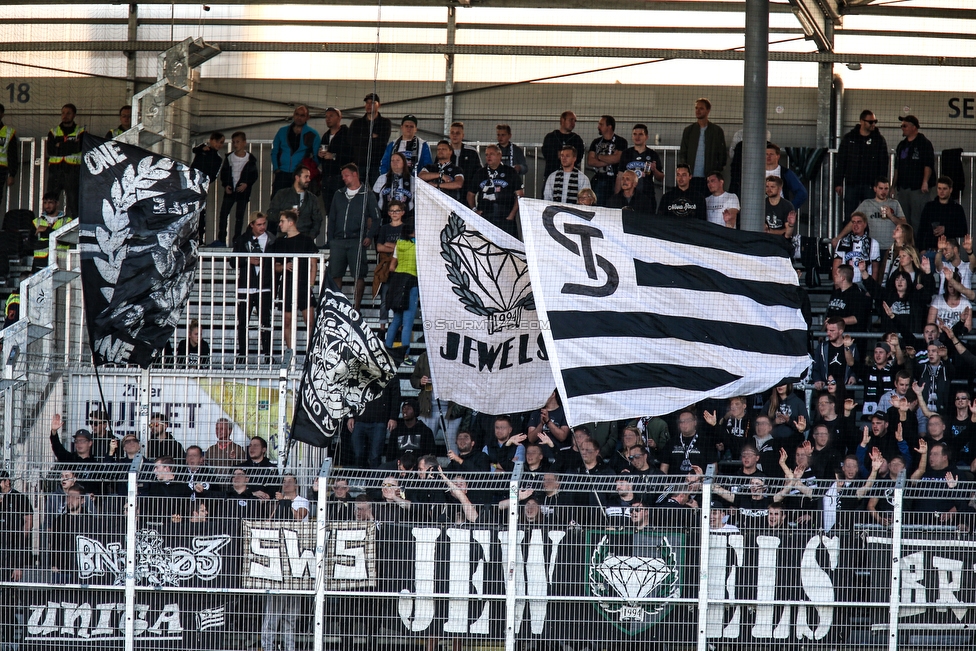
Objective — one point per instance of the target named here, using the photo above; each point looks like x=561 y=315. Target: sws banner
x=138 y=219
x=484 y=337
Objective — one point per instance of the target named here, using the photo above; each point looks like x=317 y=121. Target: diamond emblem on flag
x=634 y=577
x=490 y=281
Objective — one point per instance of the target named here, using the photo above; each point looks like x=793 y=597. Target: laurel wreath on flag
x=459 y=279
x=112 y=237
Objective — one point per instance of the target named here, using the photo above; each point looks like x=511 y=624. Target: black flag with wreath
x=139 y=214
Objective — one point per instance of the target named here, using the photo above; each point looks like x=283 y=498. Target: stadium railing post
x=513 y=555
x=130 y=551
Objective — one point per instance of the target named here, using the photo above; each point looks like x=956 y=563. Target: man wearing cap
x=878 y=378
x=83 y=454
x=292 y=144
x=82 y=444
x=413 y=148
x=119 y=465
x=914 y=165
x=335 y=151
x=370 y=134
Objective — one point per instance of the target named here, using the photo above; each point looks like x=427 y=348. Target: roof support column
x=754 y=92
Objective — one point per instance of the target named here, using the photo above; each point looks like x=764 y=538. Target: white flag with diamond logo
x=484 y=339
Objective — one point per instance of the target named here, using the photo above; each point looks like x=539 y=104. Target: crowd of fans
x=897 y=270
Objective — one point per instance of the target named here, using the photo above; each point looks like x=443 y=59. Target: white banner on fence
x=192 y=406
x=484 y=338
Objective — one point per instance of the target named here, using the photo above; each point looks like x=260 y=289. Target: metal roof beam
x=498 y=50
x=818 y=19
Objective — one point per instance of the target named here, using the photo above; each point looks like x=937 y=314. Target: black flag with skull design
x=346 y=366
x=138 y=222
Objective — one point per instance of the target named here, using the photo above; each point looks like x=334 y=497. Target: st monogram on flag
x=346 y=367
x=648 y=315
x=484 y=341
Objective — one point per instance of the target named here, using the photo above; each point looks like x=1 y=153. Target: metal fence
x=162 y=555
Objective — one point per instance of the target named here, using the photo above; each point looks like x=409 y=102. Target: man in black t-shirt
x=494 y=190
x=682 y=201
x=559 y=138
x=642 y=161
x=690 y=449
x=443 y=174
x=848 y=302
x=780 y=213
x=290 y=243
x=604 y=156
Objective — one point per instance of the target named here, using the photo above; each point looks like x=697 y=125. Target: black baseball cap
x=409 y=118
x=371 y=96
x=83 y=433
x=910 y=118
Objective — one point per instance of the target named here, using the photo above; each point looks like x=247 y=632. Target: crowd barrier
x=147 y=560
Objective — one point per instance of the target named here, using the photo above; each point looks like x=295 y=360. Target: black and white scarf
x=411 y=152
x=566 y=186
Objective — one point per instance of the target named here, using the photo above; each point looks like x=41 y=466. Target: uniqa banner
x=484 y=337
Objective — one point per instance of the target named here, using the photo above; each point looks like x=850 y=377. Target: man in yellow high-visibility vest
x=9 y=158
x=64 y=159
x=50 y=220
x=125 y=123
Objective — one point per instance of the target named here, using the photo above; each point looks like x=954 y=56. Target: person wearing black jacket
x=369 y=135
x=681 y=201
x=629 y=198
x=861 y=158
x=335 y=150
x=410 y=434
x=901 y=305
x=238 y=174
x=262 y=474
x=254 y=278
x=370 y=428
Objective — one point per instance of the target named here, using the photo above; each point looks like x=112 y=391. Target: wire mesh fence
x=180 y=554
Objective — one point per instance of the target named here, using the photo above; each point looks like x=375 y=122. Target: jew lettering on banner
x=648 y=315
x=138 y=219
x=484 y=338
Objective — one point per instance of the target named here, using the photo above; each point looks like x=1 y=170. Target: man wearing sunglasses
x=861 y=158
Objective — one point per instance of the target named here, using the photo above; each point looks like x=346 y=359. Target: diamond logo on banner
x=644 y=585
x=501 y=275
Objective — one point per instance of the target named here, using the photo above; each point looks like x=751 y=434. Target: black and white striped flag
x=647 y=315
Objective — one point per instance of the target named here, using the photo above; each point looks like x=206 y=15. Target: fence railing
x=156 y=554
